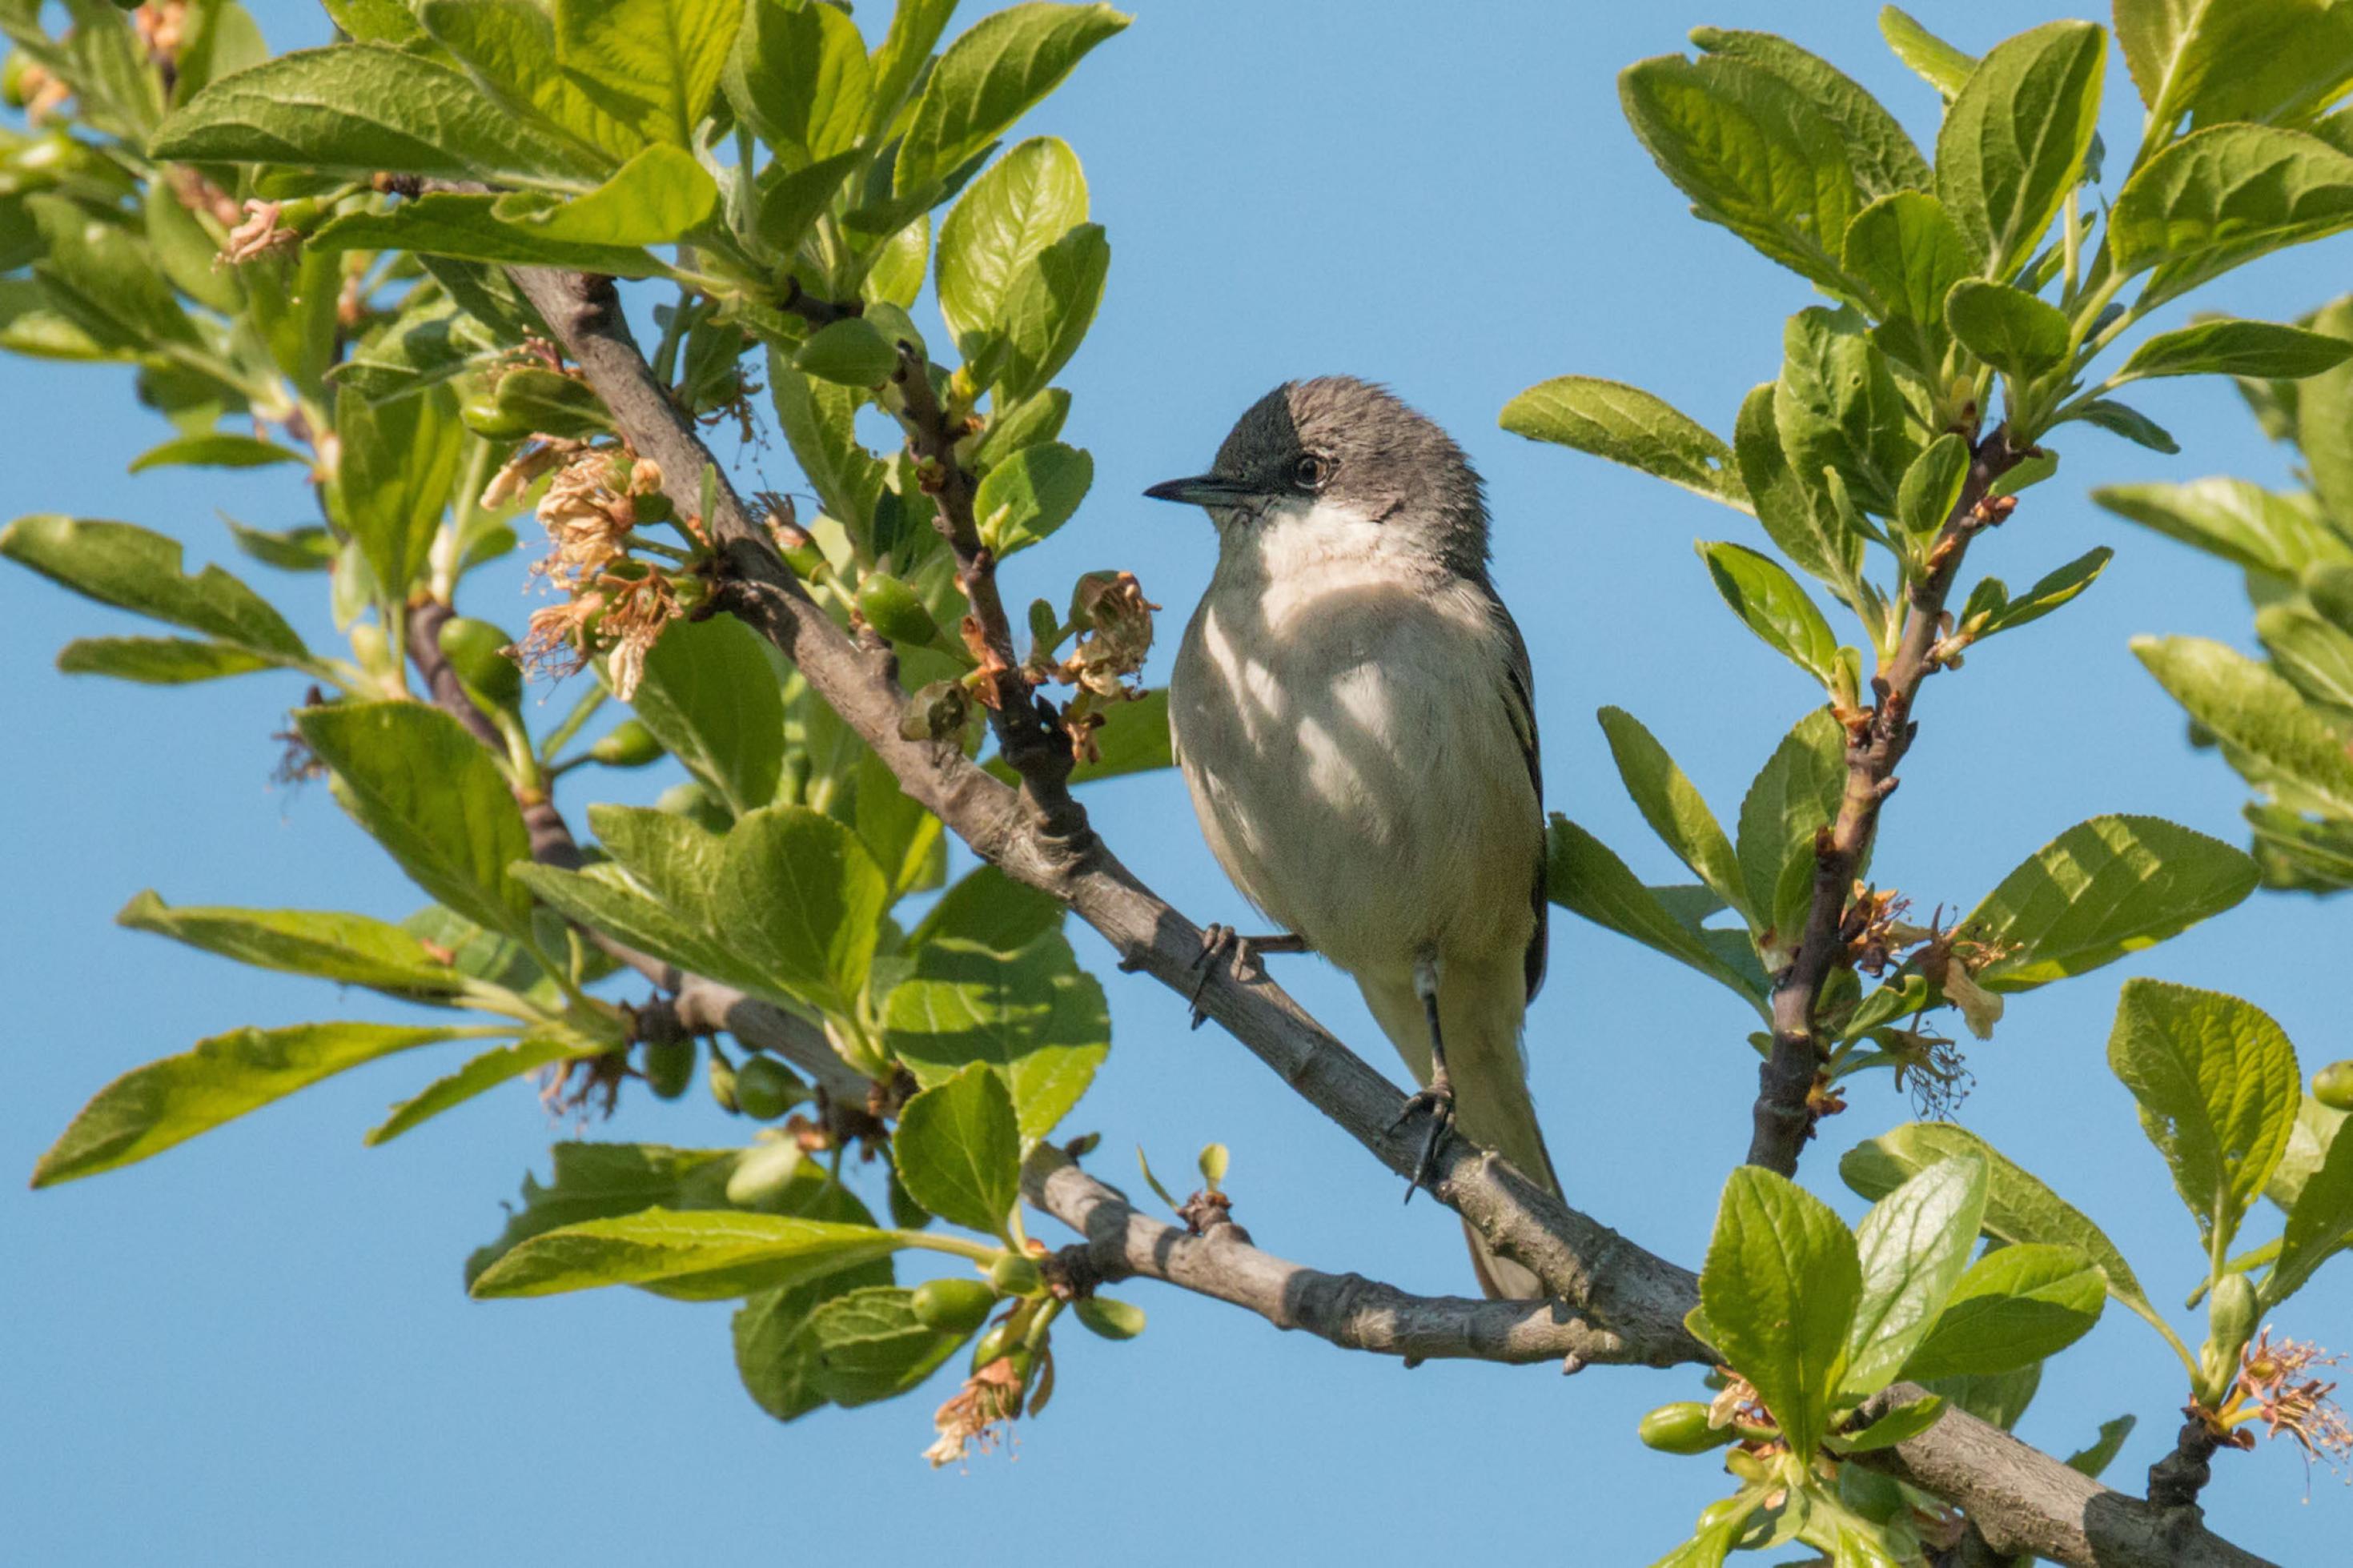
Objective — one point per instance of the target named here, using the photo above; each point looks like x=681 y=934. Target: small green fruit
x=1000 y=1341
x=766 y=1088
x=1113 y=1319
x=668 y=1066
x=1014 y=1274
x=1683 y=1429
x=476 y=651
x=891 y=608
x=485 y=418
x=2333 y=1086
x=628 y=744
x=15 y=89
x=552 y=404
x=951 y=1306
x=722 y=1083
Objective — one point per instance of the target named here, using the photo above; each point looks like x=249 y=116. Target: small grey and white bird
x=1352 y=712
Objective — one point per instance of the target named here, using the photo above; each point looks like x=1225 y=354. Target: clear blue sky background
x=255 y=1349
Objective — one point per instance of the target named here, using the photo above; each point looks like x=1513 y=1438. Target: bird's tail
x=1480 y=1009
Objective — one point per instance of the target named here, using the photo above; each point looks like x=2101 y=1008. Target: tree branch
x=1637 y=1297
x=1785 y=1112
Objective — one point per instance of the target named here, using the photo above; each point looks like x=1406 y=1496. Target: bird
x=1352 y=711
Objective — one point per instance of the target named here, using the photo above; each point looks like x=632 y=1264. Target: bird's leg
x=1220 y=940
x=1438 y=1098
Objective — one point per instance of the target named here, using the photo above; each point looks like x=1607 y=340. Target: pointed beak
x=1205 y=490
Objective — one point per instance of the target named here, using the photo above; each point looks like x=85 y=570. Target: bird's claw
x=1438 y=1101
x=1215 y=941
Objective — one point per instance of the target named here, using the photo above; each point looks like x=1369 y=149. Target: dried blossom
x=2273 y=1388
x=1116 y=635
x=258 y=236
x=161 y=26
x=980 y=1415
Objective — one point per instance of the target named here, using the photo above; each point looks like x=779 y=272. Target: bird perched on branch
x=1351 y=709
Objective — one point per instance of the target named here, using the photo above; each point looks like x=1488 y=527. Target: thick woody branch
x=1784 y=1114
x=1637 y=1298
x=1350 y=1311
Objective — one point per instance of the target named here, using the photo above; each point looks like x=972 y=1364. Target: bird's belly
x=1367 y=793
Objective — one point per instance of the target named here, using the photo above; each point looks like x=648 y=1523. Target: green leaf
x=2008 y=328
x=1048 y=308
x=2091 y=1461
x=1030 y=494
x=990 y=76
x=2103 y=889
x=2123 y=419
x=1906 y=251
x=1673 y=808
x=659 y=195
x=599 y=1180
x=1883 y=159
x=1780 y=1288
x=1939 y=64
x=870 y=1345
x=698 y=1256
x=217 y=449
x=1770 y=602
x=2314 y=655
x=358 y=110
x=2238 y=521
x=2231 y=347
x=1026 y=200
x=1796 y=513
x=848 y=353
x=399 y=463
x=959 y=1149
x=1913 y=1245
x=800 y=901
x=2013 y=141
x=129 y=567
x=711 y=700
x=799 y=77
x=103 y=280
x=2236 y=59
x=1998 y=1399
x=1932 y=486
x=1793 y=798
x=2013 y=1308
x=1627 y=425
x=1752 y=153
x=652 y=65
x=348 y=949
x=2320 y=1222
x=903 y=837
x=1032 y=1017
x=2226 y=195
x=989 y=908
x=776 y=1350
x=428 y=792
x=1583 y=876
x=156 y=661
x=482 y=1075
x=468 y=228
x=2049 y=592
x=1900 y=1424
x=605 y=898
x=149 y=1108
x=790 y=203
x=1837 y=406
x=2019 y=1208
x=818 y=422
x=2269 y=732
x=2218 y=1089
x=2323 y=416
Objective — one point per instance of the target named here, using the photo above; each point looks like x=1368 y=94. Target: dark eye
x=1313 y=471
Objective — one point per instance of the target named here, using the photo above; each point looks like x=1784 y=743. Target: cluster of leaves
x=223 y=221
x=1997 y=268
x=2285 y=722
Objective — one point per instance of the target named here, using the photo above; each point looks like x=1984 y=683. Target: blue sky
x=256 y=1349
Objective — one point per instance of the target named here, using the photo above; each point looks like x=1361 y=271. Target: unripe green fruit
x=668 y=1066
x=722 y=1083
x=1014 y=1274
x=552 y=404
x=763 y=1173
x=476 y=651
x=485 y=418
x=891 y=608
x=1113 y=1319
x=369 y=646
x=2230 y=1313
x=951 y=1306
x=628 y=744
x=1000 y=1341
x=766 y=1088
x=1683 y=1429
x=2333 y=1086
x=13 y=91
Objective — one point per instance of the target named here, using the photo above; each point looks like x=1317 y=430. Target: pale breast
x=1345 y=731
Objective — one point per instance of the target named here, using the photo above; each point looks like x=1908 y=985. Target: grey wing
x=1519 y=692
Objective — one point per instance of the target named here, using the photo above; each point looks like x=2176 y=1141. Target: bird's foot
x=1219 y=941
x=1437 y=1102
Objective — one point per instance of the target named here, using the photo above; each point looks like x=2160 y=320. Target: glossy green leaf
x=2231 y=347
x=1796 y=513
x=2103 y=889
x=468 y=228
x=698 y=1256
x=1878 y=150
x=1585 y=878
x=800 y=901
x=776 y=1348
x=1913 y=1245
x=989 y=908
x=105 y=280
x=1792 y=799
x=2217 y=1087
x=218 y=449
x=2013 y=140
x=131 y=568
x=1939 y=64
x=2008 y=328
x=1026 y=200
x=1837 y=406
x=2222 y=196
x=157 y=661
x=870 y=1345
x=2240 y=521
x=348 y=949
x=482 y=1075
x=2091 y=1461
x=2050 y=591
x=1628 y=425
x=817 y=419
x=904 y=839
x=1049 y=306
x=2236 y=59
x=2014 y=1307
x=399 y=463
x=2270 y=734
x=605 y=898
x=1033 y=1017
x=2123 y=419
x=990 y=76
x=149 y=1108
x=711 y=699
x=1770 y=602
x=959 y=1149
x=2323 y=416
x=602 y=1181
x=1751 y=152
x=1906 y=251
x=1900 y=1424
x=1780 y=1288
x=1673 y=806
x=1030 y=494
x=362 y=109
x=653 y=65
x=848 y=353
x=1932 y=486
x=799 y=77
x=2315 y=654
x=428 y=792
x=2320 y=1222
